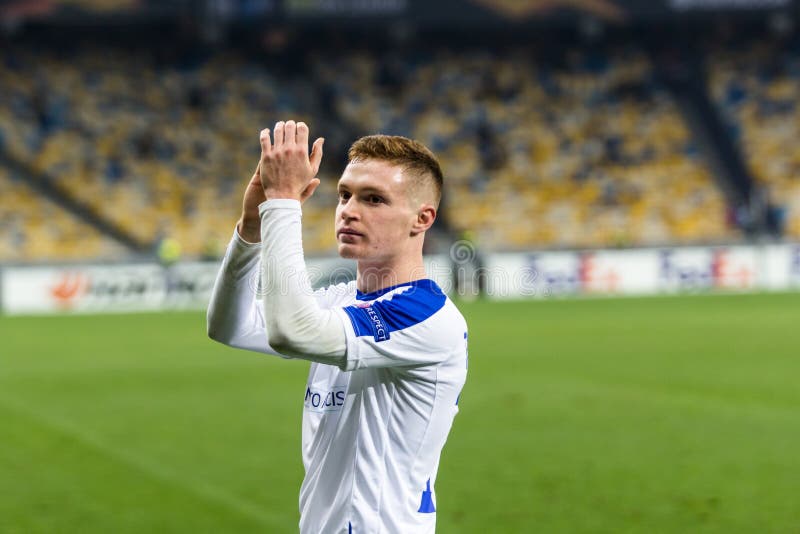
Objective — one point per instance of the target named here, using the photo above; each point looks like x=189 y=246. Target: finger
x=256 y=179
x=266 y=143
x=289 y=132
x=316 y=155
x=309 y=190
x=279 y=133
x=302 y=135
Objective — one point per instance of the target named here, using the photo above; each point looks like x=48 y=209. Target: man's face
x=375 y=215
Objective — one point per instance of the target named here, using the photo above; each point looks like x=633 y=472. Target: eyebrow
x=368 y=189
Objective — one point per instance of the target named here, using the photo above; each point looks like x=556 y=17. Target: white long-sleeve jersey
x=377 y=410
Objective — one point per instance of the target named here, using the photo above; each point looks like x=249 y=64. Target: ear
x=425 y=217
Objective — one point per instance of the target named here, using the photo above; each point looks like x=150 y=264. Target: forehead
x=373 y=174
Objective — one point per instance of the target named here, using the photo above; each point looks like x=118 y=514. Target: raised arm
x=297 y=325
x=234 y=315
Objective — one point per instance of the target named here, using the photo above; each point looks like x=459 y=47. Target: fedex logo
x=689 y=271
x=732 y=272
x=570 y=274
x=325 y=401
x=795 y=268
x=705 y=269
x=551 y=277
x=596 y=279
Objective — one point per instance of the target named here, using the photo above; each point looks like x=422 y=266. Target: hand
x=286 y=169
x=249 y=226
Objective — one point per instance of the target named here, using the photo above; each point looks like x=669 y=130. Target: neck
x=374 y=276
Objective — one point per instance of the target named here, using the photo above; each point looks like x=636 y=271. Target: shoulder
x=410 y=304
x=448 y=327
x=420 y=307
x=336 y=295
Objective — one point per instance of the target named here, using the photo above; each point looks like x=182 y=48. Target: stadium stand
x=37 y=228
x=756 y=84
x=160 y=151
x=583 y=150
x=587 y=150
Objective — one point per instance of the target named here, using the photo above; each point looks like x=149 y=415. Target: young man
x=389 y=350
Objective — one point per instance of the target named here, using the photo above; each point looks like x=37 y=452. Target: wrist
x=272 y=194
x=249 y=231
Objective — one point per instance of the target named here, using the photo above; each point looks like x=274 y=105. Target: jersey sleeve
x=415 y=328
x=235 y=313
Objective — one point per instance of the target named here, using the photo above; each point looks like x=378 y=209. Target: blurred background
x=572 y=124
x=590 y=147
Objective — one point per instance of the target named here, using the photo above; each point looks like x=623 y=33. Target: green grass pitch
x=677 y=414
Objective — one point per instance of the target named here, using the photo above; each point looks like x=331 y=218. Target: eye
x=375 y=199
x=344 y=195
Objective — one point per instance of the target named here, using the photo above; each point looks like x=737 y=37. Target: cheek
x=400 y=227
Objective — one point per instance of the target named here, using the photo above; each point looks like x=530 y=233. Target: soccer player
x=388 y=350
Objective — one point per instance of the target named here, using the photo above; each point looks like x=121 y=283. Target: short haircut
x=414 y=158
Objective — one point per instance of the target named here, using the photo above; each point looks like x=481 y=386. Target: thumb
x=256 y=178
x=309 y=190
x=316 y=155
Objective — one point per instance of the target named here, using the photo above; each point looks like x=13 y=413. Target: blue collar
x=423 y=283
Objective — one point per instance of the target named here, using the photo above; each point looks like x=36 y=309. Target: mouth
x=348 y=232
x=347 y=235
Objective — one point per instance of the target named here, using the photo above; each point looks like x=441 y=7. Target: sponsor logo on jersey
x=317 y=400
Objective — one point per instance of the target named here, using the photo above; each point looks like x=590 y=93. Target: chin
x=347 y=252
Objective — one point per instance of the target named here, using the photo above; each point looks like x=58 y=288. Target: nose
x=348 y=211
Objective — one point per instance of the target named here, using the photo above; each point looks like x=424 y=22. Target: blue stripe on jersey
x=406 y=309
x=424 y=283
x=426 y=503
x=375 y=294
